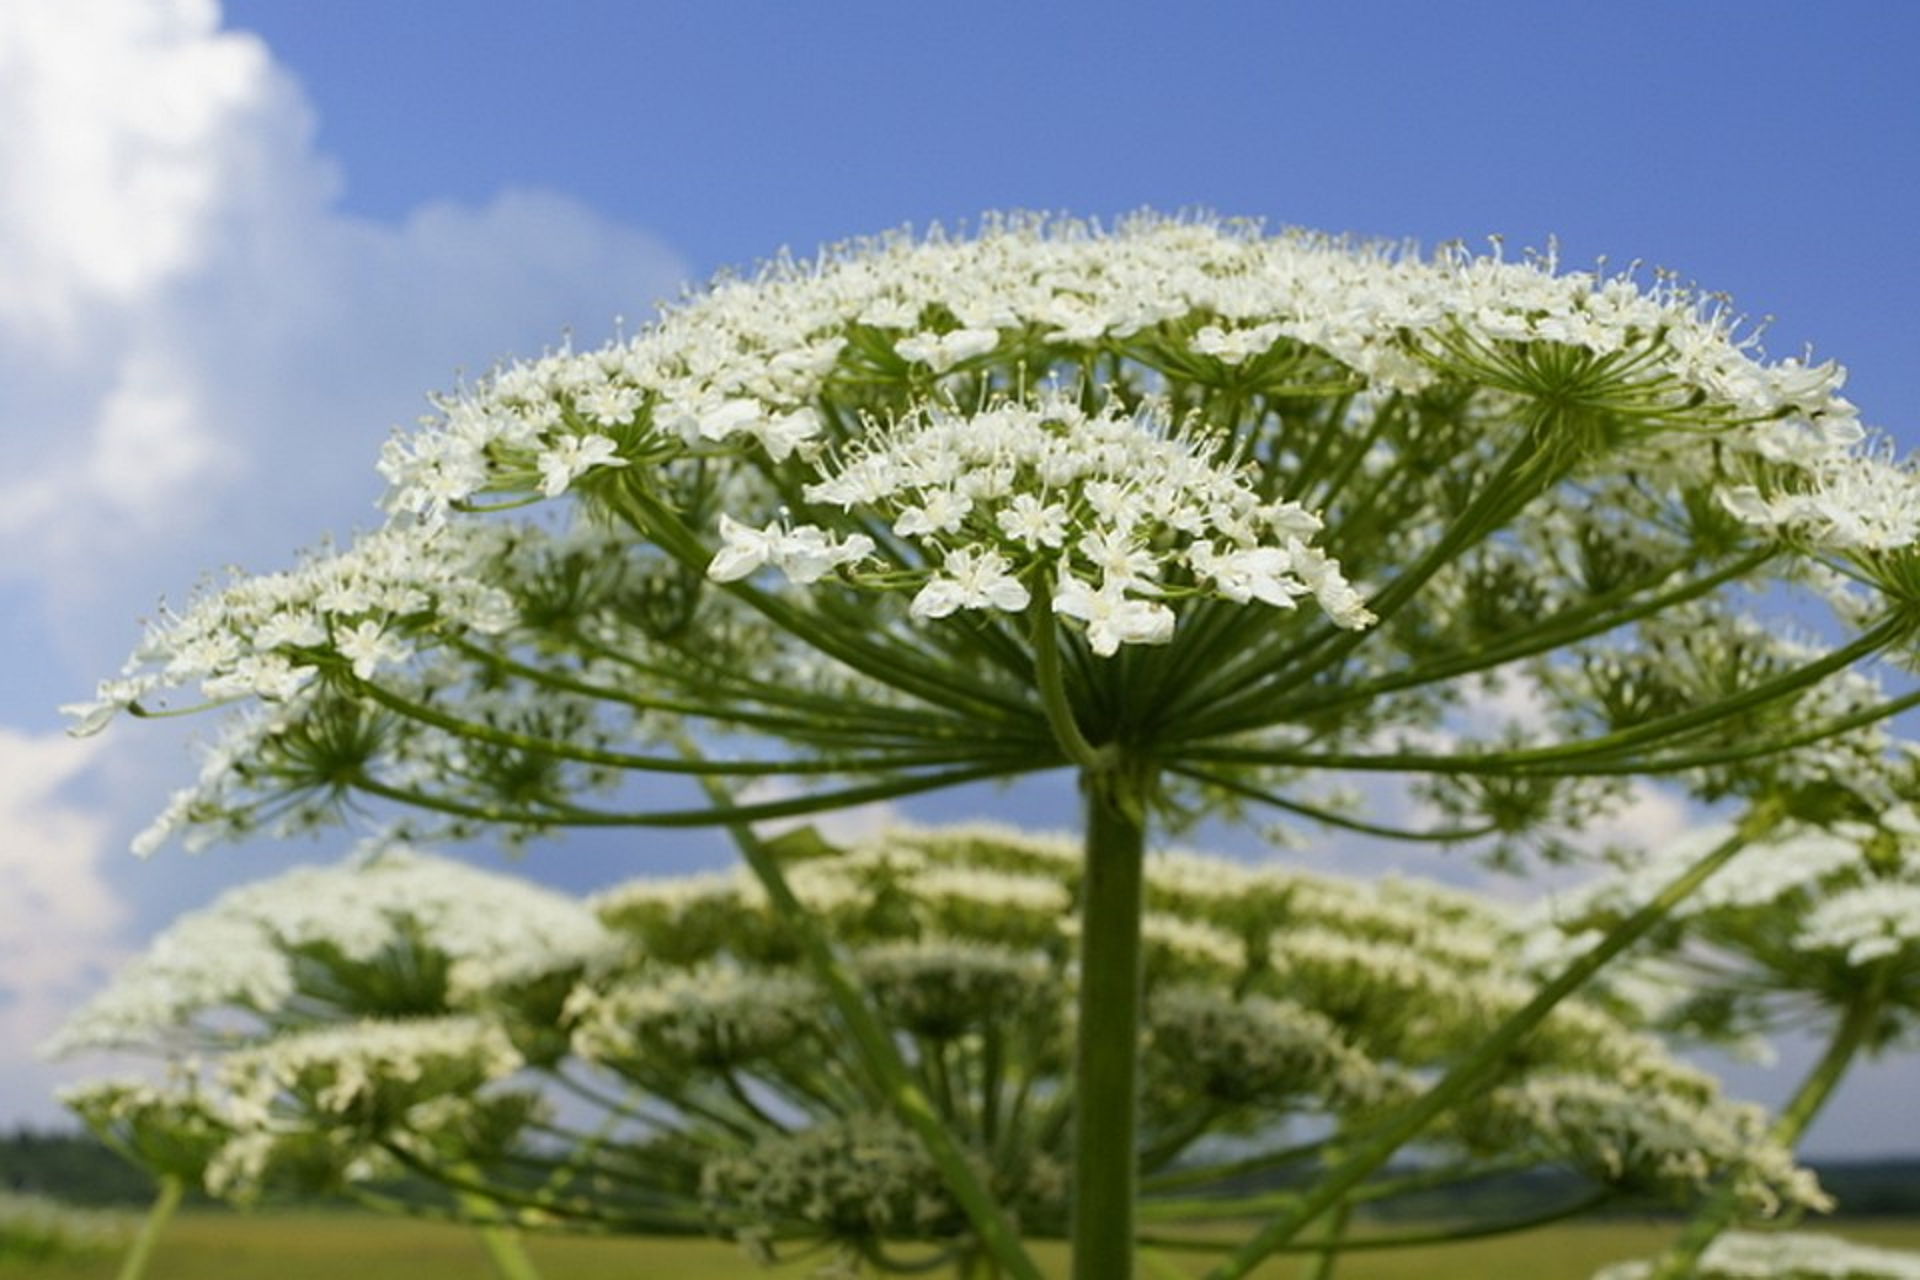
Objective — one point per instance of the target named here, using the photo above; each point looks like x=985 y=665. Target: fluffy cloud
x=59 y=918
x=200 y=354
x=126 y=115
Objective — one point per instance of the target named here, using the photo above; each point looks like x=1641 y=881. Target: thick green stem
x=140 y=1252
x=1855 y=1028
x=1473 y=1072
x=1107 y=1052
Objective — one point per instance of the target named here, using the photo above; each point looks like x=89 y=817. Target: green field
x=334 y=1246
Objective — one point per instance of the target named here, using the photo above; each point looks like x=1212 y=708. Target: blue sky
x=239 y=244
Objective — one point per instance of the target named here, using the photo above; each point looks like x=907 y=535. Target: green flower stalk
x=1208 y=516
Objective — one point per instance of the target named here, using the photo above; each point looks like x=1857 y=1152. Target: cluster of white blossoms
x=262 y=636
x=747 y=359
x=1210 y=515
x=1859 y=500
x=1277 y=1002
x=367 y=1070
x=1105 y=512
x=1210 y=1049
x=859 y=1178
x=1848 y=891
x=1785 y=1255
x=711 y=1017
x=336 y=1102
x=1656 y=1140
x=297 y=943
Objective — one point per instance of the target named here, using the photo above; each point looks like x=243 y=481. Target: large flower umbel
x=925 y=511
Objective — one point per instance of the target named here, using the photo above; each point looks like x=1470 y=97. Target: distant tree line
x=78 y=1169
x=72 y=1167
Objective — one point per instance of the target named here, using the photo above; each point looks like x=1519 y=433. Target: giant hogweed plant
x=1207 y=517
x=660 y=1059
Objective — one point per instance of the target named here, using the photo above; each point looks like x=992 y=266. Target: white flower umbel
x=712 y=1018
x=1815 y=920
x=400 y=928
x=332 y=1106
x=1786 y=1255
x=370 y=1073
x=1658 y=1143
x=1812 y=926
x=1280 y=1006
x=1111 y=512
x=898 y=512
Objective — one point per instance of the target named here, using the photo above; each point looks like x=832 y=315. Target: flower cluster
x=331 y=940
x=1278 y=1003
x=1212 y=516
x=266 y=636
x=1103 y=511
x=1657 y=1142
x=1822 y=912
x=1786 y=1255
x=367 y=1072
x=861 y=1178
x=748 y=360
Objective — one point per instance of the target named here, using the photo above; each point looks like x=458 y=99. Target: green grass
x=337 y=1246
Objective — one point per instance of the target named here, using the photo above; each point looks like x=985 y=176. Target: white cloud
x=200 y=353
x=120 y=115
x=59 y=918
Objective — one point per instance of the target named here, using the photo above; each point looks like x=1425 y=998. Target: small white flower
x=1330 y=588
x=1033 y=523
x=609 y=404
x=1119 y=560
x=806 y=554
x=369 y=646
x=571 y=457
x=728 y=417
x=941 y=351
x=744 y=549
x=1249 y=573
x=970 y=580
x=298 y=630
x=942 y=512
x=782 y=434
x=111 y=697
x=1112 y=617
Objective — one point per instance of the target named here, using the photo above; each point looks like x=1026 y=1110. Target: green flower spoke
x=1327 y=817
x=1611 y=752
x=139 y=1254
x=1583 y=622
x=574 y=816
x=561 y=749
